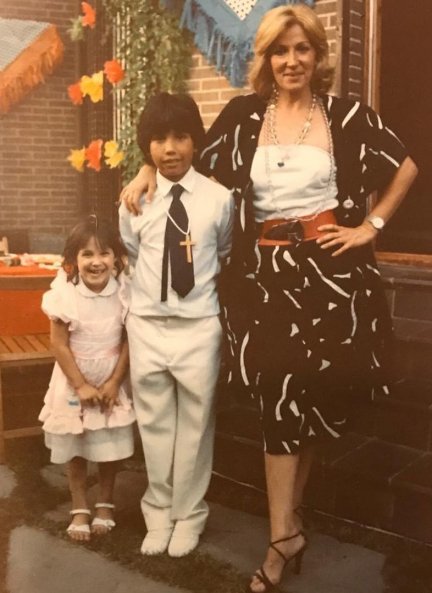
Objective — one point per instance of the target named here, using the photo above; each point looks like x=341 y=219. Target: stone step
x=413 y=348
x=376 y=483
x=233 y=537
x=403 y=416
x=359 y=478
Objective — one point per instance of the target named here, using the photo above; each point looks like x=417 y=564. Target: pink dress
x=96 y=324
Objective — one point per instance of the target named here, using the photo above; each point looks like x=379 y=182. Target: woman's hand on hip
x=344 y=237
x=131 y=194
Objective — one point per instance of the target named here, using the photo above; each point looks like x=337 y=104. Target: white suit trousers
x=174 y=366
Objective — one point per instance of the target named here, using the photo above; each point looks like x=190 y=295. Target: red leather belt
x=282 y=231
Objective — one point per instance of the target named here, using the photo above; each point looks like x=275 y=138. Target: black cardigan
x=367 y=153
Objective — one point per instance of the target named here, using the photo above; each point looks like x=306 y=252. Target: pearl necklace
x=271 y=137
x=270 y=120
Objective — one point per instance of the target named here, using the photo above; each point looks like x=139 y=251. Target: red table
x=21 y=290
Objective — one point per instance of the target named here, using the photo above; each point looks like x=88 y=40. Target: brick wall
x=352 y=50
x=38 y=188
x=211 y=90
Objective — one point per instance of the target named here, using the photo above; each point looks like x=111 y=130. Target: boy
x=176 y=245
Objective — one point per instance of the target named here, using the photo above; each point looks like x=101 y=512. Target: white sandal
x=108 y=524
x=81 y=529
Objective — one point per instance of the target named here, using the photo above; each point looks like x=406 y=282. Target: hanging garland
x=93 y=87
x=152 y=54
x=155 y=55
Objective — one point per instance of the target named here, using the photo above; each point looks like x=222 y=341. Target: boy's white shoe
x=156 y=541
x=182 y=544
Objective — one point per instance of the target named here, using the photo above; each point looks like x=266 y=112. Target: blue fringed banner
x=225 y=35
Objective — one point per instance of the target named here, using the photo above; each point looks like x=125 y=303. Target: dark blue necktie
x=178 y=246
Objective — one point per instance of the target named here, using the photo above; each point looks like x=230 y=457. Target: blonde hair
x=274 y=23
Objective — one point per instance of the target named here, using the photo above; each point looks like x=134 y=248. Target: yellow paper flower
x=93 y=86
x=113 y=156
x=77 y=159
x=115 y=160
x=110 y=148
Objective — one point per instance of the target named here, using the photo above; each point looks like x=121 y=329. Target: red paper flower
x=75 y=94
x=89 y=15
x=113 y=71
x=93 y=154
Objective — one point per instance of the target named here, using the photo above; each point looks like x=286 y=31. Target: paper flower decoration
x=86 y=19
x=93 y=86
x=89 y=15
x=77 y=158
x=75 y=94
x=113 y=71
x=93 y=154
x=113 y=156
x=76 y=30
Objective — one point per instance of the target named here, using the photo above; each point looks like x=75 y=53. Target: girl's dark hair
x=106 y=236
x=166 y=113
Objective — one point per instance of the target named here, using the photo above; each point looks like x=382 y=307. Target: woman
x=306 y=314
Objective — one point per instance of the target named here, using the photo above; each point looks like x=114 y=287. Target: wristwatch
x=376 y=221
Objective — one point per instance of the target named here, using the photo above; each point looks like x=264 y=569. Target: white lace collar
x=109 y=289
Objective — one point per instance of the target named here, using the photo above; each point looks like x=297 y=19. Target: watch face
x=377 y=222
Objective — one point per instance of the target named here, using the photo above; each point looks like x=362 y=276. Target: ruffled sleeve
x=59 y=303
x=124 y=282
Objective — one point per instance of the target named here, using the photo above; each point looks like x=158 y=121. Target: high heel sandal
x=297 y=558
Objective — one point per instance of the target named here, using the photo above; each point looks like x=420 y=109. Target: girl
x=87 y=414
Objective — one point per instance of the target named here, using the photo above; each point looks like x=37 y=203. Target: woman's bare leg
x=303 y=471
x=281 y=476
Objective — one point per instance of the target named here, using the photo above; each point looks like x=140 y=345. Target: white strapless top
x=300 y=186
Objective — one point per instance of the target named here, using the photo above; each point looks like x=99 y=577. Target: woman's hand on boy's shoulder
x=131 y=194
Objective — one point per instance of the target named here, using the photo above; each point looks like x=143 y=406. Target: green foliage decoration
x=156 y=56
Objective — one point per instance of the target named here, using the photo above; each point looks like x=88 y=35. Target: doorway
x=405 y=103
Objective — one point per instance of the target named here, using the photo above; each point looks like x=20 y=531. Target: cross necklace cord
x=188 y=243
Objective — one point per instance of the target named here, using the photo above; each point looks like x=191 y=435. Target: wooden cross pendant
x=188 y=244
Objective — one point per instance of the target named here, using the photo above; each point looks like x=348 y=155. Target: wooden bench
x=21 y=350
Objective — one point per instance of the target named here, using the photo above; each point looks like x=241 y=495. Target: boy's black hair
x=166 y=113
x=106 y=236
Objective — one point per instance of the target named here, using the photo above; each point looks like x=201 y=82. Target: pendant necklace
x=188 y=243
x=270 y=120
x=271 y=137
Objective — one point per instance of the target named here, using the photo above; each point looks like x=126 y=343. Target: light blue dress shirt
x=210 y=208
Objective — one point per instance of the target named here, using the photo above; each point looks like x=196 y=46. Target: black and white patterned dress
x=307 y=332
